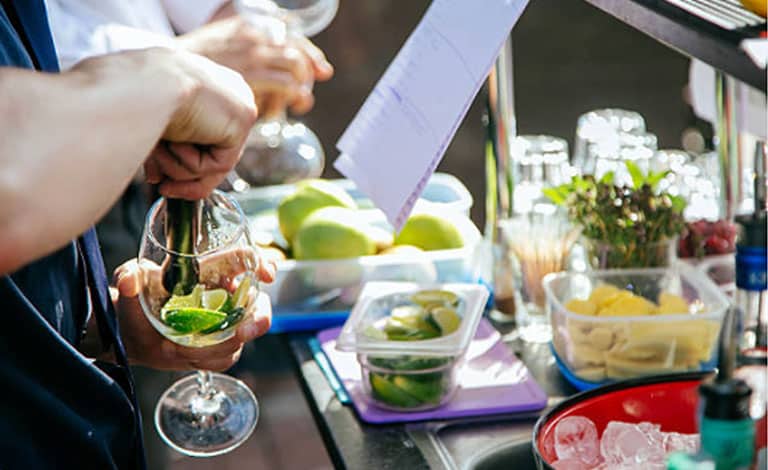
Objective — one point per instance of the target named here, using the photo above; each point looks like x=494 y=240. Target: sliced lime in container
x=375 y=333
x=216 y=299
x=446 y=319
x=191 y=300
x=434 y=297
x=191 y=320
x=386 y=392
x=427 y=389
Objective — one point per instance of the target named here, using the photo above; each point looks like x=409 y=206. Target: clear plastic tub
x=409 y=375
x=600 y=348
x=443 y=191
x=316 y=286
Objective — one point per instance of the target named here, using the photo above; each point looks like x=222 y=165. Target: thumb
x=128 y=279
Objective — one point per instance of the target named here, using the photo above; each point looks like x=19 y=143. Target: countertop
x=356 y=445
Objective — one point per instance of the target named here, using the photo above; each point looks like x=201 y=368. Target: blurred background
x=568 y=58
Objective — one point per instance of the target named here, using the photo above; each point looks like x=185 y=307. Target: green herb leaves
x=629 y=219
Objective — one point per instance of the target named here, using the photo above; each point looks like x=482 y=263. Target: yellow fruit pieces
x=610 y=301
x=597 y=347
x=582 y=307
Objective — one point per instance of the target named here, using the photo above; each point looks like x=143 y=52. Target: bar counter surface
x=353 y=444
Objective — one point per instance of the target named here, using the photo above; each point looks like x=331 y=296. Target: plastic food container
x=443 y=191
x=308 y=287
x=409 y=375
x=595 y=349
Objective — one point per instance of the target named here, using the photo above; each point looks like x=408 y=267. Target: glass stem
x=205 y=384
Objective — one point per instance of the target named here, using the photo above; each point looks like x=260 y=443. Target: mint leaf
x=636 y=173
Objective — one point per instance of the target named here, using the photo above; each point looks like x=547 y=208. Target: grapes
x=703 y=238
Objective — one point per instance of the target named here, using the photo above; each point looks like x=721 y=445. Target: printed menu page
x=399 y=135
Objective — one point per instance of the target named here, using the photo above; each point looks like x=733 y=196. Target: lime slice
x=216 y=299
x=375 y=333
x=446 y=319
x=430 y=298
x=409 y=315
x=192 y=300
x=385 y=391
x=192 y=320
x=427 y=388
x=240 y=297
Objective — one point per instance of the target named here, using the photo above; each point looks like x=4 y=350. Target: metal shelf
x=709 y=30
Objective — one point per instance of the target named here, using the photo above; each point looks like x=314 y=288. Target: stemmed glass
x=199 y=275
x=279 y=150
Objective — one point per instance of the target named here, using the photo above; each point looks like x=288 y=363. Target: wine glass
x=199 y=282
x=279 y=150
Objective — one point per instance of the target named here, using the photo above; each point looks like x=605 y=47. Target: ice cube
x=675 y=441
x=627 y=444
x=576 y=439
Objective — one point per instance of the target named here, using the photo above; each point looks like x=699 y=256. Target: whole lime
x=309 y=196
x=331 y=233
x=430 y=232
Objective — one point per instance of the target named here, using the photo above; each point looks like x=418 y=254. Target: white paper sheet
x=400 y=134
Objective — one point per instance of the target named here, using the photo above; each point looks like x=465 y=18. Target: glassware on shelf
x=610 y=154
x=538 y=162
x=280 y=150
x=596 y=126
x=539 y=244
x=199 y=272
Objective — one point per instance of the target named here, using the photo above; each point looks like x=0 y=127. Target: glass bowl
x=594 y=349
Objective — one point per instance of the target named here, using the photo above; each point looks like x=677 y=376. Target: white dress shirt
x=85 y=28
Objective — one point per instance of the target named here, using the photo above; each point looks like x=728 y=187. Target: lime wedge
x=385 y=391
x=431 y=298
x=215 y=299
x=192 y=300
x=240 y=297
x=192 y=320
x=446 y=319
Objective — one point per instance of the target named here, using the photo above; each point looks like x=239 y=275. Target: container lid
x=376 y=302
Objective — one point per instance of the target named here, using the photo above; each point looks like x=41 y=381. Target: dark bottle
x=751 y=299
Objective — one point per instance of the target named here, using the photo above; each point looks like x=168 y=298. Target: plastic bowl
x=409 y=375
x=670 y=401
x=598 y=349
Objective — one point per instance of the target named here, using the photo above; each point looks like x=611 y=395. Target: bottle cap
x=726 y=400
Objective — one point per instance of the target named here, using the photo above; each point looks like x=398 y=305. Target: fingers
x=127 y=279
x=322 y=68
x=260 y=323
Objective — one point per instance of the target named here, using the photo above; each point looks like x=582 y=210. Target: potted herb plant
x=623 y=227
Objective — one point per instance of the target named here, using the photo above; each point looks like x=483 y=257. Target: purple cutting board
x=491 y=381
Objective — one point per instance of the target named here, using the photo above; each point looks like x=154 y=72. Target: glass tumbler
x=596 y=126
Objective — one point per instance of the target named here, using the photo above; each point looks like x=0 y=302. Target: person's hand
x=277 y=72
x=145 y=346
x=205 y=136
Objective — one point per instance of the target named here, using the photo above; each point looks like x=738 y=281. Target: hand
x=207 y=132
x=145 y=346
x=276 y=72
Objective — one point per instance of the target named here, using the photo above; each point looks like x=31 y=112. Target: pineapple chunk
x=671 y=303
x=582 y=307
x=628 y=305
x=601 y=293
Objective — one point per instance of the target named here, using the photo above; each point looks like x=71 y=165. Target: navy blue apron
x=58 y=409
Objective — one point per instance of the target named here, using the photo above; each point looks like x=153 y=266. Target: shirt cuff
x=186 y=15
